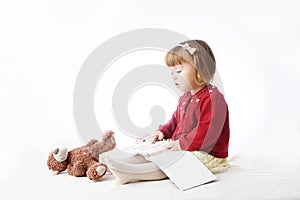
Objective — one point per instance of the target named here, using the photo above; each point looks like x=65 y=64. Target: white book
x=183 y=168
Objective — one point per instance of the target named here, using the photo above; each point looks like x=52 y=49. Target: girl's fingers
x=160 y=137
x=154 y=140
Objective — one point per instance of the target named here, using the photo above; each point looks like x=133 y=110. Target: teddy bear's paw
x=101 y=170
x=96 y=171
x=107 y=134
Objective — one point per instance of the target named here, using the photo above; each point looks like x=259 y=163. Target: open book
x=183 y=168
x=147 y=149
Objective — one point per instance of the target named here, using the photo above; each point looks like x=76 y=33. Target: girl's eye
x=178 y=71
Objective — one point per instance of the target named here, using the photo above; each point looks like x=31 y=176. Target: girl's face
x=184 y=77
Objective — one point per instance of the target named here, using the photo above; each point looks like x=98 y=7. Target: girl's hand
x=157 y=136
x=172 y=145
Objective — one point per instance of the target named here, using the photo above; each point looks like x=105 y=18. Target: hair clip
x=187 y=47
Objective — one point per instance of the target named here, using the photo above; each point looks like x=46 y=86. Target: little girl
x=200 y=123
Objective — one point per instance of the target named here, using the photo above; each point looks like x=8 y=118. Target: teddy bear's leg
x=91 y=142
x=96 y=171
x=77 y=169
x=108 y=142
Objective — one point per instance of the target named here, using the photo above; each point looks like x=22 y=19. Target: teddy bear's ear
x=60 y=154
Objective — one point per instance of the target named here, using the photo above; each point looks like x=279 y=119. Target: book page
x=147 y=149
x=183 y=168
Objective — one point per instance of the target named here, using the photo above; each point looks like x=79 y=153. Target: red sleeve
x=169 y=128
x=211 y=114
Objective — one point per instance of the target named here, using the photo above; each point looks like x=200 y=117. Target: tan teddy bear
x=83 y=160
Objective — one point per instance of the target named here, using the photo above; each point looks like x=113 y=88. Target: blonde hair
x=202 y=59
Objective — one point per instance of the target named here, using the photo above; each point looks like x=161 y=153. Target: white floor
x=246 y=179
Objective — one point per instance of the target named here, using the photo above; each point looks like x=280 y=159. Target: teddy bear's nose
x=55 y=151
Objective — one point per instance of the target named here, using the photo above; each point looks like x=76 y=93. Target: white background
x=44 y=43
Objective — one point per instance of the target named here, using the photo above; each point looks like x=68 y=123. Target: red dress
x=201 y=122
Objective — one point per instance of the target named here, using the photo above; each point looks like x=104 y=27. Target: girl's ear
x=199 y=79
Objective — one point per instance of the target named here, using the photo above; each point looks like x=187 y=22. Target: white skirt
x=213 y=164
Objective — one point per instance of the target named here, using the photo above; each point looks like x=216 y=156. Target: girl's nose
x=174 y=77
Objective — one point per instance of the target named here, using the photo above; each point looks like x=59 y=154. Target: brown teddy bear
x=83 y=160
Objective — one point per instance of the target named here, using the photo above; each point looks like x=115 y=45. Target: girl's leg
x=127 y=172
x=136 y=159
